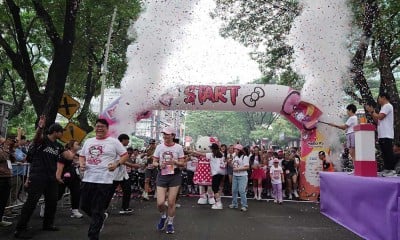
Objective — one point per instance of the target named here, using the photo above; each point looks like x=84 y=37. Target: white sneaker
x=295 y=194
x=105 y=218
x=217 y=205
x=5 y=223
x=290 y=197
x=76 y=214
x=145 y=196
x=202 y=201
x=389 y=173
x=178 y=205
x=42 y=209
x=211 y=200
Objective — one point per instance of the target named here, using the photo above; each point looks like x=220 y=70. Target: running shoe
x=232 y=206
x=76 y=214
x=105 y=218
x=170 y=229
x=126 y=211
x=145 y=196
x=296 y=195
x=389 y=173
x=5 y=223
x=42 y=209
x=217 y=206
x=161 y=224
x=243 y=209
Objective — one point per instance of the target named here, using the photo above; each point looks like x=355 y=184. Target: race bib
x=168 y=169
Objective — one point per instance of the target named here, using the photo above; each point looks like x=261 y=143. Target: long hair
x=70 y=144
x=216 y=153
x=225 y=152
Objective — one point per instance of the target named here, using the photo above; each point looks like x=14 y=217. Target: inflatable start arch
x=250 y=98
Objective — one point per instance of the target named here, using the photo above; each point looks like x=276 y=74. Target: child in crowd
x=277 y=179
x=327 y=166
x=258 y=174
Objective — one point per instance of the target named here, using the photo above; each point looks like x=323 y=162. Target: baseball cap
x=168 y=130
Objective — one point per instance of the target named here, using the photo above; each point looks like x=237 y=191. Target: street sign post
x=73 y=132
x=68 y=106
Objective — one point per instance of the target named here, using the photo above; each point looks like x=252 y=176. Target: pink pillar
x=365 y=163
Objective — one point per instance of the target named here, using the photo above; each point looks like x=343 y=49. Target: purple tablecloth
x=368 y=206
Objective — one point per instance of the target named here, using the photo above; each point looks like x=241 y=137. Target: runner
x=168 y=156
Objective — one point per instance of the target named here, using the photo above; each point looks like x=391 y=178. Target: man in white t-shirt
x=99 y=157
x=384 y=120
x=349 y=128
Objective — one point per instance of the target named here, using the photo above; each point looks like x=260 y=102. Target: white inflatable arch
x=249 y=98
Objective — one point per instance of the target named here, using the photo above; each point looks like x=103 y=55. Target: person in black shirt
x=289 y=167
x=43 y=156
x=68 y=176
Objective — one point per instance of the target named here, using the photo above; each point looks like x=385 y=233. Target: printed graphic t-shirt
x=99 y=153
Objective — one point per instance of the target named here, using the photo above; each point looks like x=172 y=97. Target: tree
x=263 y=25
x=89 y=55
x=377 y=53
x=230 y=127
x=20 y=27
x=45 y=66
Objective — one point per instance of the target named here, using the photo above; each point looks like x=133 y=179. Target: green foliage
x=94 y=20
x=136 y=142
x=91 y=31
x=232 y=127
x=263 y=26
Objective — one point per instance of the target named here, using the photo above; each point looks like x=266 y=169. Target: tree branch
x=373 y=54
x=14 y=57
x=48 y=22
x=395 y=64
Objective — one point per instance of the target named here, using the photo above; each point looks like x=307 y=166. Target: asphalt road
x=263 y=220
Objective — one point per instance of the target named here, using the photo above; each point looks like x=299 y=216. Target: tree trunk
x=388 y=83
x=359 y=80
x=90 y=88
x=59 y=68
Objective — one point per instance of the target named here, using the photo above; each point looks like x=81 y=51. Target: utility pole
x=104 y=69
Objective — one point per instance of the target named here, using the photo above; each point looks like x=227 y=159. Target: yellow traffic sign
x=68 y=106
x=73 y=132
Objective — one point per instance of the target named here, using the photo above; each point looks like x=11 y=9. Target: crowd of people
x=105 y=167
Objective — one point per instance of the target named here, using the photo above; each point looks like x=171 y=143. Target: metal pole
x=104 y=69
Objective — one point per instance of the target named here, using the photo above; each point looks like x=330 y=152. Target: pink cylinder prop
x=364 y=162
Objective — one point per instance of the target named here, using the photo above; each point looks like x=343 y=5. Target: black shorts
x=216 y=182
x=166 y=181
x=149 y=173
x=290 y=175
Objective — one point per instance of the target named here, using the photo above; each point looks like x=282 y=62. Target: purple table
x=367 y=206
